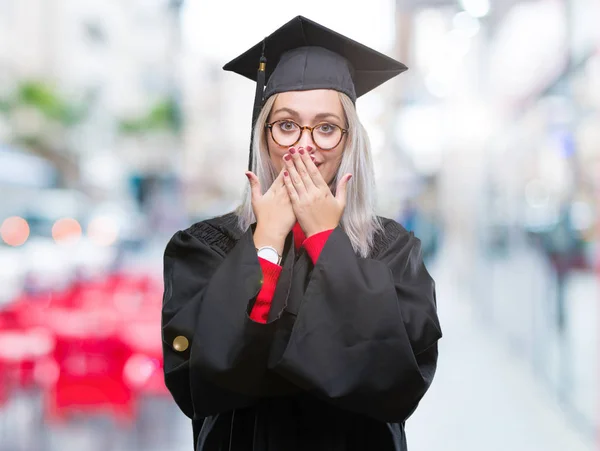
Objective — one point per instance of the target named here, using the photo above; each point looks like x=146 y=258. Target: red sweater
x=313 y=245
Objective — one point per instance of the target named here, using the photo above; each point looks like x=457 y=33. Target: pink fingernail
x=292 y=151
x=301 y=151
x=285 y=173
x=286 y=157
x=308 y=148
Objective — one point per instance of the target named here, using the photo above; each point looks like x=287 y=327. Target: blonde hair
x=359 y=221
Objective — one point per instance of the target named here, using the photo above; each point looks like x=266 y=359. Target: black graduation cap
x=304 y=55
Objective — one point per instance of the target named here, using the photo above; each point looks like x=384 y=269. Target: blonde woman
x=302 y=321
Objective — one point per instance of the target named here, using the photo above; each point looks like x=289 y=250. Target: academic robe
x=347 y=353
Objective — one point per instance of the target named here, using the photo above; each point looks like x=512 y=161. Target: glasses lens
x=285 y=133
x=327 y=136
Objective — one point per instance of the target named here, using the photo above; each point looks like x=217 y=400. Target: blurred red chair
x=90 y=359
x=138 y=299
x=3 y=384
x=23 y=343
x=144 y=369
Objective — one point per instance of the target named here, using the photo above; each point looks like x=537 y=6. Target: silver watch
x=269 y=253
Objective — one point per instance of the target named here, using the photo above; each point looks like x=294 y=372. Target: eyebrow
x=297 y=115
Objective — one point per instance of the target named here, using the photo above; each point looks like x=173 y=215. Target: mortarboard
x=304 y=55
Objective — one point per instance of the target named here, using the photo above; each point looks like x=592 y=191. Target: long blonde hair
x=359 y=221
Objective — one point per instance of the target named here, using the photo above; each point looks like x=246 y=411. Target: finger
x=255 y=191
x=293 y=175
x=341 y=189
x=291 y=189
x=299 y=159
x=313 y=171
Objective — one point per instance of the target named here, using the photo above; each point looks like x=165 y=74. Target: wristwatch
x=269 y=253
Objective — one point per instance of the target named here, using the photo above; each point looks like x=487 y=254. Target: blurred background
x=118 y=127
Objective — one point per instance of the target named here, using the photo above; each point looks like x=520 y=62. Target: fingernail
x=312 y=157
x=309 y=148
x=301 y=151
x=292 y=151
x=285 y=173
x=247 y=176
x=286 y=157
x=349 y=177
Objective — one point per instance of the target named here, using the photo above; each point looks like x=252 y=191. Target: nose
x=306 y=140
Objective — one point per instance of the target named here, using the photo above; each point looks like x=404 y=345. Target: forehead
x=310 y=103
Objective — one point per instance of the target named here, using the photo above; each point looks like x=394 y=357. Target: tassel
x=258 y=98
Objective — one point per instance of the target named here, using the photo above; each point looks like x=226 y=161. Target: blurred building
x=506 y=120
x=119 y=61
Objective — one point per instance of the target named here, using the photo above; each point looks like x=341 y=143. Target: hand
x=273 y=210
x=315 y=206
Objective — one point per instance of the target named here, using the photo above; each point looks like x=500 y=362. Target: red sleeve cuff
x=314 y=244
x=262 y=305
x=270 y=271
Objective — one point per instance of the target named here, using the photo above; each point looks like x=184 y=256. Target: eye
x=287 y=126
x=326 y=128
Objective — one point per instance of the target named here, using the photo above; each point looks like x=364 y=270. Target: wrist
x=318 y=230
x=269 y=238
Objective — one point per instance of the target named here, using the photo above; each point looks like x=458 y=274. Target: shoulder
x=392 y=229
x=221 y=232
x=390 y=234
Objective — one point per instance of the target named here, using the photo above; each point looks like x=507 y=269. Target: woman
x=302 y=321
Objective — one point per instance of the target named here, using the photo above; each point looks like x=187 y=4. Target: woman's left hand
x=315 y=206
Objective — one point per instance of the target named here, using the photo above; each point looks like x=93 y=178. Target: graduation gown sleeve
x=365 y=336
x=207 y=299
x=262 y=306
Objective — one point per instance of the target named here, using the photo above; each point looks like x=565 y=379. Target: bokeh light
x=14 y=231
x=103 y=231
x=66 y=230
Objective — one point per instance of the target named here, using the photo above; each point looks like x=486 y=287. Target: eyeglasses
x=287 y=133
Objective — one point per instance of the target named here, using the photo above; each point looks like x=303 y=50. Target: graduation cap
x=304 y=55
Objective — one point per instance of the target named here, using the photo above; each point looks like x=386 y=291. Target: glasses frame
x=306 y=127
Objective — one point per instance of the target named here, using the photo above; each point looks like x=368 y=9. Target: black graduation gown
x=349 y=350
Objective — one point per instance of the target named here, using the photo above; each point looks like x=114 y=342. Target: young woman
x=302 y=321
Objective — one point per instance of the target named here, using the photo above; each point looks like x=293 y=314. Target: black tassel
x=258 y=98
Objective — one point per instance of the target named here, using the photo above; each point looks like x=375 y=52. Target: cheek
x=276 y=154
x=333 y=160
x=330 y=169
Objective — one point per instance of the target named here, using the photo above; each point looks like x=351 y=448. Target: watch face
x=269 y=254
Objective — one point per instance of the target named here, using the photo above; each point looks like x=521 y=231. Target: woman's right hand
x=275 y=216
